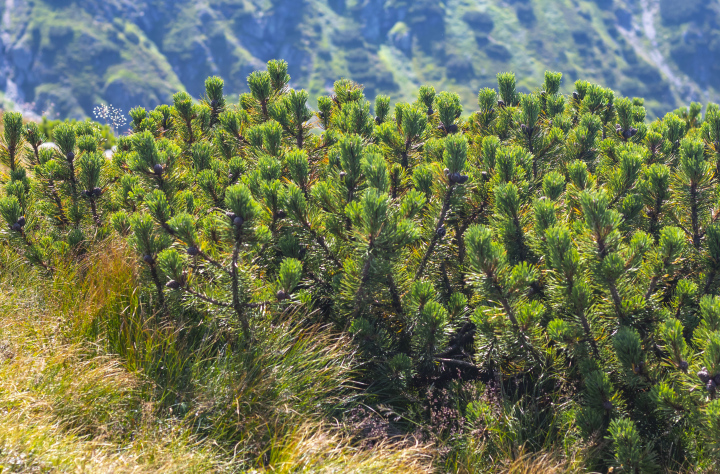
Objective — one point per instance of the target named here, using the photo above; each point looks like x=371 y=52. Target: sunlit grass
x=92 y=381
x=314 y=449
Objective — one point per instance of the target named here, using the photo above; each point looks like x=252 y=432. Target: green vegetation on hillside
x=532 y=285
x=67 y=57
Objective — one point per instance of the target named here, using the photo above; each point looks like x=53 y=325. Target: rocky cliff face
x=63 y=57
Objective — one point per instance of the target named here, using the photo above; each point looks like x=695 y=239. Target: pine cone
x=717 y=379
x=377 y=120
x=16 y=227
x=214 y=103
x=452 y=128
x=457 y=178
x=158 y=169
x=501 y=103
x=703 y=375
x=238 y=221
x=607 y=405
x=230 y=215
x=173 y=285
x=441 y=232
x=342 y=174
x=430 y=111
x=97 y=192
x=576 y=96
x=683 y=365
x=149 y=259
x=193 y=250
x=280 y=214
x=711 y=386
x=70 y=156
x=21 y=221
x=281 y=295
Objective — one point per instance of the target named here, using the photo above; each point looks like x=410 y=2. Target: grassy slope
x=84 y=55
x=66 y=405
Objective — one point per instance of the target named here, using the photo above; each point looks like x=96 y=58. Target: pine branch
x=582 y=317
x=58 y=202
x=459 y=363
x=655 y=279
x=93 y=208
x=694 y=215
x=709 y=281
x=30 y=246
x=588 y=333
x=524 y=339
x=321 y=241
x=404 y=153
x=190 y=139
x=158 y=285
x=299 y=137
x=365 y=276
x=395 y=295
x=205 y=298
x=445 y=278
x=616 y=298
x=235 y=290
x=436 y=236
x=213 y=262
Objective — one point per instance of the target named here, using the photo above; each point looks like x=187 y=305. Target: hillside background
x=61 y=58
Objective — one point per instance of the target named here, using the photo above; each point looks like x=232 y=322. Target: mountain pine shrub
x=561 y=253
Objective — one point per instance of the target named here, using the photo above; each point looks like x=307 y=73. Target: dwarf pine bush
x=560 y=250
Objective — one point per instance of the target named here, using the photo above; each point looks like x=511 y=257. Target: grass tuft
x=322 y=449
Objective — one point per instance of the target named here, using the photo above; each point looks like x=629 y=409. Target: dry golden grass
x=480 y=457
x=66 y=405
x=320 y=449
x=541 y=463
x=63 y=412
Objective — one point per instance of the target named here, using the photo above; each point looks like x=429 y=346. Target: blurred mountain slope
x=64 y=57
